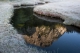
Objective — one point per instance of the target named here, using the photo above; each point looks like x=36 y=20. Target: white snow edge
x=67 y=10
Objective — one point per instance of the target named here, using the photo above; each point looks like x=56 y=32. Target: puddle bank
x=48 y=18
x=68 y=11
x=10 y=40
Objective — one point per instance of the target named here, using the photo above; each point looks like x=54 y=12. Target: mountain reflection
x=36 y=31
x=45 y=35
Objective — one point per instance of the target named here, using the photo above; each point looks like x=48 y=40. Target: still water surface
x=46 y=34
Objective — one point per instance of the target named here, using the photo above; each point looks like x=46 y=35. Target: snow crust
x=19 y=2
x=6 y=12
x=67 y=10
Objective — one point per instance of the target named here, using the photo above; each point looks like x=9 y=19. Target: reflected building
x=37 y=31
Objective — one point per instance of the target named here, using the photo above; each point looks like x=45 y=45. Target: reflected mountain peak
x=44 y=36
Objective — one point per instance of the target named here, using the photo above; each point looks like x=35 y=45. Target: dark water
x=46 y=33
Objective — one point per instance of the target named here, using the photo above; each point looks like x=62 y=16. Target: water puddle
x=44 y=33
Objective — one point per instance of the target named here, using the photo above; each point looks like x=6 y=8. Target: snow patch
x=67 y=10
x=19 y=2
x=6 y=12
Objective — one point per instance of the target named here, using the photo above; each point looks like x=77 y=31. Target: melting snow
x=67 y=10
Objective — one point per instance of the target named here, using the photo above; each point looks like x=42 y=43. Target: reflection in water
x=50 y=19
x=45 y=35
x=36 y=31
